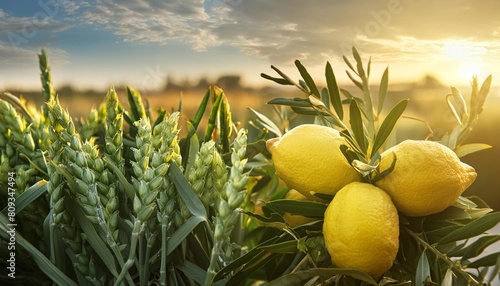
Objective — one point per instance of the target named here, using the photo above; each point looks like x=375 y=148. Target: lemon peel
x=361 y=229
x=308 y=159
x=428 y=177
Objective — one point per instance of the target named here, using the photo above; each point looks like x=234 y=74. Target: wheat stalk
x=230 y=199
x=66 y=149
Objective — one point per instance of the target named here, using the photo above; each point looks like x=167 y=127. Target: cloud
x=154 y=21
x=282 y=30
x=27 y=26
x=22 y=37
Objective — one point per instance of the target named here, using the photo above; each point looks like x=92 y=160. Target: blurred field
x=427 y=102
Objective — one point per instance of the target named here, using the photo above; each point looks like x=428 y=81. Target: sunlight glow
x=468 y=70
x=466 y=56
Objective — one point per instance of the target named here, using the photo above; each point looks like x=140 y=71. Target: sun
x=455 y=50
x=464 y=57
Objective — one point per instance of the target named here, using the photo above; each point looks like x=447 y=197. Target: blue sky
x=100 y=43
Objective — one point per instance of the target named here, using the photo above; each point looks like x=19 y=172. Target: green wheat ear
x=94 y=123
x=230 y=199
x=198 y=174
x=113 y=149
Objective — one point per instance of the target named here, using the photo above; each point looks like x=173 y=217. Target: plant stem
x=211 y=272
x=136 y=231
x=163 y=264
x=470 y=280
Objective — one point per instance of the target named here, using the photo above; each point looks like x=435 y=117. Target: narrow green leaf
x=248 y=260
x=348 y=63
x=356 y=122
x=456 y=251
x=271 y=219
x=289 y=246
x=478 y=246
x=277 y=80
x=487 y=261
x=297 y=278
x=193 y=203
x=298 y=102
x=388 y=124
x=162 y=113
x=483 y=92
x=495 y=274
x=182 y=232
x=333 y=91
x=473 y=202
x=453 y=109
x=473 y=228
x=49 y=269
x=464 y=150
x=359 y=63
x=306 y=111
x=213 y=113
x=255 y=148
x=460 y=103
x=325 y=97
x=355 y=81
x=136 y=105
x=192 y=271
x=267 y=123
x=423 y=270
x=199 y=113
x=349 y=97
x=307 y=78
x=384 y=83
x=441 y=232
x=369 y=67
x=194 y=146
x=253 y=265
x=285 y=80
x=98 y=245
x=349 y=154
x=129 y=189
x=29 y=196
x=130 y=121
x=181 y=100
x=296 y=207
x=225 y=122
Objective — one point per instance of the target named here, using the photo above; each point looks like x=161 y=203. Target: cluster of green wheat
x=119 y=198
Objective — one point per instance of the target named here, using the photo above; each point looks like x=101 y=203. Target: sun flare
x=466 y=57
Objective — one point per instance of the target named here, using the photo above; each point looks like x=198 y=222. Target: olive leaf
x=334 y=91
x=307 y=79
x=388 y=124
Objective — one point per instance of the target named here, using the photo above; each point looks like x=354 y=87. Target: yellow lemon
x=296 y=220
x=308 y=159
x=427 y=178
x=361 y=229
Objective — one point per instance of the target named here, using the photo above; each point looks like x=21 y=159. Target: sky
x=99 y=43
